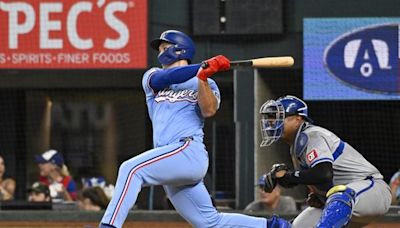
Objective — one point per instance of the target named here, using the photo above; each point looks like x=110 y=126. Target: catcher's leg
x=338 y=208
x=307 y=218
x=373 y=199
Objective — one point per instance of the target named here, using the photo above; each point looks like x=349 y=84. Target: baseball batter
x=354 y=188
x=179 y=97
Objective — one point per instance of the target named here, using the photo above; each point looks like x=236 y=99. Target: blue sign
x=351 y=59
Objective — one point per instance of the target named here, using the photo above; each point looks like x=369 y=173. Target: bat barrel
x=270 y=62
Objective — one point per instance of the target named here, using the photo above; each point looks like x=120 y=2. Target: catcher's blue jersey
x=174 y=111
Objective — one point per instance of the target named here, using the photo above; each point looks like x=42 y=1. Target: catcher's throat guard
x=272 y=117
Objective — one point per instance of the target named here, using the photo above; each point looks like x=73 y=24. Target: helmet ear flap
x=168 y=56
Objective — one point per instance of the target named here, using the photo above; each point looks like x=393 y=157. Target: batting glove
x=212 y=66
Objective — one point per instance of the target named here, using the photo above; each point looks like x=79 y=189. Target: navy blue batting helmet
x=183 y=47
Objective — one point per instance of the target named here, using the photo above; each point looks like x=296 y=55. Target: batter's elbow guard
x=338 y=208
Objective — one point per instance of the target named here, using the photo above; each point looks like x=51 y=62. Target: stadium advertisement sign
x=351 y=58
x=73 y=34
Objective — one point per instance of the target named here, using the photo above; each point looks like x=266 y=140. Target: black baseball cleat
x=103 y=225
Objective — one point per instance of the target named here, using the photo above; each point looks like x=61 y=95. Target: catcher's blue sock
x=276 y=222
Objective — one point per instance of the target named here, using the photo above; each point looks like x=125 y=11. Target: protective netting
x=372 y=127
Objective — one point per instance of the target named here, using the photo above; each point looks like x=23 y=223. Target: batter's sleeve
x=150 y=92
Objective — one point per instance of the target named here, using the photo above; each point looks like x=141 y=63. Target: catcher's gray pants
x=373 y=199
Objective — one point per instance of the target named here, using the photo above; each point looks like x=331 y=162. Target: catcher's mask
x=273 y=113
x=272 y=117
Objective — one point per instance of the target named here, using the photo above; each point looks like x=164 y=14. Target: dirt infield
x=128 y=224
x=382 y=225
x=136 y=219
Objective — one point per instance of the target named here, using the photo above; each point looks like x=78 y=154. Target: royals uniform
x=314 y=145
x=179 y=160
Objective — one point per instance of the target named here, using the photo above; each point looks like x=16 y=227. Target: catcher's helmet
x=273 y=114
x=182 y=48
x=294 y=106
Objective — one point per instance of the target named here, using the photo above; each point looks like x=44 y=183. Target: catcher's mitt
x=277 y=171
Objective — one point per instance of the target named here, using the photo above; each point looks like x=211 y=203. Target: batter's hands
x=316 y=200
x=212 y=66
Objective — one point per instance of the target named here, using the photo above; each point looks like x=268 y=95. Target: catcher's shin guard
x=276 y=222
x=338 y=208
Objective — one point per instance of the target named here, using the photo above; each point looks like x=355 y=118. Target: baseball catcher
x=344 y=185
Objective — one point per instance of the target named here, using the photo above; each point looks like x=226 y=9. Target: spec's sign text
x=73 y=34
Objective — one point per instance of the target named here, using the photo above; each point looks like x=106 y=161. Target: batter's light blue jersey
x=174 y=111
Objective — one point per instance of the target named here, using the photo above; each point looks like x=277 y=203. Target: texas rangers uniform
x=179 y=160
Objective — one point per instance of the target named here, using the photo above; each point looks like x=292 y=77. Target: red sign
x=312 y=155
x=73 y=34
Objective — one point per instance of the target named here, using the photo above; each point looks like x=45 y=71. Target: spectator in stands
x=55 y=174
x=272 y=202
x=99 y=181
x=92 y=199
x=394 y=186
x=39 y=192
x=7 y=185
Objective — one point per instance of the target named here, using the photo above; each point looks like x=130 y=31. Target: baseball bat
x=265 y=62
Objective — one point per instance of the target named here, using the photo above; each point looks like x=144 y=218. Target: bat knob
x=204 y=65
